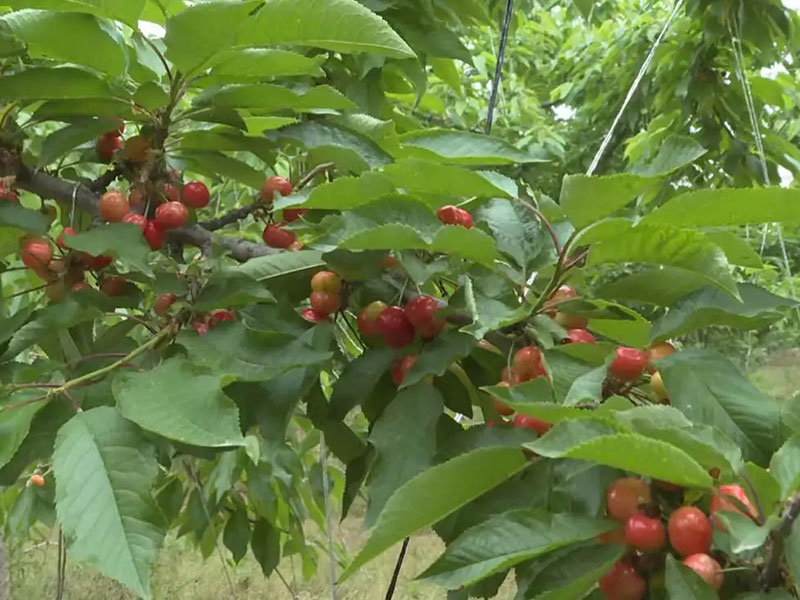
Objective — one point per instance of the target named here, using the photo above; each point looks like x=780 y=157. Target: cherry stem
x=23 y=292
x=308 y=177
x=545 y=222
x=134 y=318
x=160 y=56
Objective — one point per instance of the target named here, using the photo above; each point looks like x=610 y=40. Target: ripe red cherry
x=689 y=531
x=60 y=241
x=367 y=318
x=720 y=501
x=290 y=215
x=314 y=316
x=163 y=302
x=509 y=376
x=200 y=327
x=421 y=310
x=529 y=422
x=114 y=206
x=275 y=184
x=452 y=215
x=657 y=352
x=172 y=192
x=625 y=496
x=527 y=363
x=154 y=236
x=501 y=407
x=401 y=367
x=563 y=293
x=396 y=329
x=195 y=194
x=326 y=281
x=706 y=567
x=171 y=215
x=96 y=263
x=622 y=582
x=9 y=195
x=325 y=302
x=222 y=315
x=136 y=197
x=275 y=236
x=106 y=145
x=37 y=480
x=136 y=219
x=37 y=254
x=569 y=321
x=113 y=286
x=575 y=336
x=644 y=533
x=389 y=262
x=628 y=365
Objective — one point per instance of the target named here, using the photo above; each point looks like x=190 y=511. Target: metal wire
x=323 y=459
x=498 y=68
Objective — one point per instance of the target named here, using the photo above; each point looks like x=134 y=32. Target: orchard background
x=287 y=284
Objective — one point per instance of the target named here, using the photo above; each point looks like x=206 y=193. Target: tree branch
x=106 y=179
x=772 y=564
x=230 y=218
x=48 y=187
x=309 y=177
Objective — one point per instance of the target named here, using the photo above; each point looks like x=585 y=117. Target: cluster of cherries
x=201 y=321
x=325 y=297
x=275 y=234
x=7 y=193
x=688 y=530
x=109 y=143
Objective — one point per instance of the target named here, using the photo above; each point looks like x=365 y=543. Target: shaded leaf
x=587 y=199
x=450 y=146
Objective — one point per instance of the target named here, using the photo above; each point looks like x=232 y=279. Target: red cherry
x=625 y=497
x=114 y=286
x=290 y=215
x=575 y=336
x=389 y=262
x=172 y=192
x=622 y=582
x=657 y=352
x=401 y=367
x=96 y=263
x=325 y=302
x=163 y=302
x=509 y=376
x=396 y=329
x=200 y=327
x=9 y=195
x=569 y=321
x=615 y=536
x=314 y=316
x=628 y=365
x=106 y=146
x=706 y=567
x=154 y=236
x=37 y=254
x=689 y=531
x=136 y=219
x=367 y=318
x=529 y=422
x=171 y=215
x=60 y=241
x=136 y=197
x=644 y=533
x=37 y=480
x=563 y=293
x=114 y=206
x=326 y=281
x=275 y=236
x=451 y=215
x=79 y=286
x=719 y=501
x=222 y=315
x=421 y=310
x=275 y=184
x=195 y=194
x=501 y=407
x=464 y=218
x=527 y=363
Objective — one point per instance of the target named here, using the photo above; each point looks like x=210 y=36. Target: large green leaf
x=232 y=289
x=438 y=355
x=450 y=146
x=270 y=97
x=127 y=11
x=684 y=584
x=180 y=402
x=41 y=83
x=104 y=470
x=13 y=215
x=339 y=25
x=359 y=378
x=587 y=199
x=343 y=193
x=785 y=466
x=283 y=263
x=506 y=540
x=216 y=164
x=709 y=389
x=673 y=153
x=716 y=208
x=405 y=440
x=260 y=63
x=120 y=240
x=62 y=141
x=516 y=230
x=659 y=286
x=15 y=424
x=434 y=494
x=197 y=33
x=425 y=177
x=665 y=245
x=71 y=38
x=228 y=138
x=704 y=308
x=736 y=248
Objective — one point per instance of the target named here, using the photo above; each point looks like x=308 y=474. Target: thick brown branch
x=49 y=187
x=229 y=218
x=106 y=179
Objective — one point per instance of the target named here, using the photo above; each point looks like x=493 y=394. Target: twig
x=88 y=357
x=231 y=217
x=158 y=52
x=498 y=69
x=42 y=398
x=286 y=584
x=34 y=385
x=398 y=565
x=545 y=222
x=101 y=183
x=772 y=564
x=308 y=177
x=23 y=292
x=133 y=318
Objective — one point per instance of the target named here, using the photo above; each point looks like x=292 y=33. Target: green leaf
x=266 y=546
x=263 y=268
x=709 y=389
x=151 y=95
x=664 y=245
x=127 y=11
x=455 y=147
x=339 y=25
x=258 y=125
x=181 y=402
x=343 y=193
x=236 y=534
x=405 y=440
x=261 y=63
x=587 y=199
x=736 y=248
x=250 y=355
x=104 y=470
x=199 y=32
x=471 y=244
x=269 y=97
x=718 y=208
x=744 y=534
x=231 y=289
x=785 y=466
x=217 y=165
x=41 y=83
x=87 y=42
x=506 y=540
x=516 y=230
x=673 y=153
x=767 y=489
x=711 y=307
x=15 y=424
x=627 y=451
x=62 y=141
x=662 y=286
x=488 y=312
x=120 y=240
x=358 y=379
x=425 y=177
x=23 y=219
x=438 y=355
x=684 y=584
x=434 y=494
